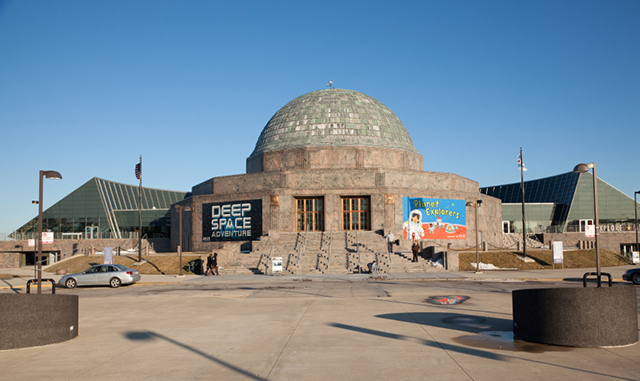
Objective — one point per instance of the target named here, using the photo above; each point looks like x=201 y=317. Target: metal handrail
x=599 y=278
x=358 y=251
x=329 y=253
x=53 y=284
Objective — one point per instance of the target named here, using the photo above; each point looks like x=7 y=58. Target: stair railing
x=389 y=254
x=301 y=249
x=329 y=253
x=358 y=251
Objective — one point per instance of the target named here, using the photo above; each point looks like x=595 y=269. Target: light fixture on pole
x=54 y=176
x=583 y=168
x=180 y=209
x=475 y=203
x=635 y=204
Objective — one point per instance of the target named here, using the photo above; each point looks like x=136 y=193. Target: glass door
x=91 y=232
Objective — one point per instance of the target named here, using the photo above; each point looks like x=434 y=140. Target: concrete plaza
x=349 y=327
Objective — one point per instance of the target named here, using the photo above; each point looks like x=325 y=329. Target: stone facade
x=279 y=191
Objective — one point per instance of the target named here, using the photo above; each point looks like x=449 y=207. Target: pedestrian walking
x=214 y=263
x=209 y=265
x=415 y=248
x=390 y=240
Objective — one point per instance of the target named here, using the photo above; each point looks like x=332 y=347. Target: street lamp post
x=180 y=208
x=475 y=203
x=635 y=204
x=582 y=168
x=49 y=175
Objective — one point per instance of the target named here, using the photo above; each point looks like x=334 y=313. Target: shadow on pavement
x=471 y=351
x=149 y=336
x=430 y=343
x=453 y=321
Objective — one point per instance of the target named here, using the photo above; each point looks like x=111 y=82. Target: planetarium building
x=336 y=160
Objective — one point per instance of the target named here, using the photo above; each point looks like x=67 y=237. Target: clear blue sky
x=88 y=86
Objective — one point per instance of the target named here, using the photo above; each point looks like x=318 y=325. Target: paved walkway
x=24 y=274
x=332 y=327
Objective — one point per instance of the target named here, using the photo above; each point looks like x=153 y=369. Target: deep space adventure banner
x=232 y=221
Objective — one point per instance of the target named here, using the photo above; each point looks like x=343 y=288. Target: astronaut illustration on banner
x=413 y=226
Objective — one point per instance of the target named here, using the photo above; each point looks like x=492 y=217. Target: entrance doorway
x=356 y=213
x=91 y=232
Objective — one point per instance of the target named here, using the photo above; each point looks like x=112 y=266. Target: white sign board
x=276 y=263
x=557 y=252
x=32 y=243
x=590 y=231
x=636 y=257
x=108 y=256
x=47 y=237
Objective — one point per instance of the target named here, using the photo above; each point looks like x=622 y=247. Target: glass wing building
x=106 y=209
x=562 y=203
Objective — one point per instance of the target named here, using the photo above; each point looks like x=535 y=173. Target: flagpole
x=524 y=234
x=140 y=214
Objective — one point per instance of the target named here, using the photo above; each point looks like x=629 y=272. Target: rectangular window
x=309 y=214
x=356 y=213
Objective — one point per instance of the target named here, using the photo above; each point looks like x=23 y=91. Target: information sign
x=47 y=237
x=636 y=257
x=108 y=255
x=590 y=231
x=557 y=252
x=276 y=263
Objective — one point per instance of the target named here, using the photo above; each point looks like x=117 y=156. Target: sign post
x=557 y=254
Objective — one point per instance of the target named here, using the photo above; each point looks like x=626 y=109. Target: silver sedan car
x=107 y=275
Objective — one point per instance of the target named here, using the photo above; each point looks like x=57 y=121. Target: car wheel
x=635 y=278
x=115 y=282
x=71 y=283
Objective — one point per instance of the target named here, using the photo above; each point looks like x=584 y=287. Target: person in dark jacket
x=415 y=248
x=209 y=265
x=214 y=263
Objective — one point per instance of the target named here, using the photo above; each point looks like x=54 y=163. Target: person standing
x=390 y=240
x=416 y=249
x=214 y=264
x=209 y=265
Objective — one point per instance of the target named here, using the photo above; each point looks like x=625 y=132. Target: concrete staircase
x=325 y=253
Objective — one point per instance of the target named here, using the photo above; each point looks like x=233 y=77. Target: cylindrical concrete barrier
x=30 y=320
x=576 y=317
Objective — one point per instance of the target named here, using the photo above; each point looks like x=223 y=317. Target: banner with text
x=433 y=218
x=232 y=221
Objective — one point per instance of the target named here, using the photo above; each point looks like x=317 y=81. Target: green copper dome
x=334 y=117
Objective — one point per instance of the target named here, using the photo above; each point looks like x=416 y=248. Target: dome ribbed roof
x=334 y=117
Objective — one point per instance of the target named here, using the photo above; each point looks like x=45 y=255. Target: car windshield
x=92 y=269
x=121 y=267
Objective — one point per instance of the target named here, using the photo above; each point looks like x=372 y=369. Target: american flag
x=138 y=171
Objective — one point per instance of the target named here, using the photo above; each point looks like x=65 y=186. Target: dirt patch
x=154 y=265
x=543 y=259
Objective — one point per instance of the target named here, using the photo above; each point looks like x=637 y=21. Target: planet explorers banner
x=433 y=218
x=232 y=221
